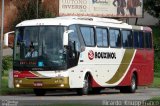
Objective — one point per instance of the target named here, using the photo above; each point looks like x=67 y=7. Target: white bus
x=86 y=54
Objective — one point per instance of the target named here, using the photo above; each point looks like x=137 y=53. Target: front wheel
x=132 y=88
x=86 y=86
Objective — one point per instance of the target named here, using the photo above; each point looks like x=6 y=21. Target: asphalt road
x=106 y=97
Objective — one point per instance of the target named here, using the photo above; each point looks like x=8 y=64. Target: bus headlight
x=58 y=80
x=20 y=81
x=62 y=85
x=17 y=85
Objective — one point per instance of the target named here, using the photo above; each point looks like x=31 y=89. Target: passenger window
x=88 y=35
x=127 y=39
x=136 y=39
x=115 y=38
x=141 y=40
x=148 y=40
x=102 y=37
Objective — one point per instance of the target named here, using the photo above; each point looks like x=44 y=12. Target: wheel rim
x=86 y=86
x=133 y=83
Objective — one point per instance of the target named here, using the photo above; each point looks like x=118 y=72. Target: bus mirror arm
x=66 y=37
x=6 y=40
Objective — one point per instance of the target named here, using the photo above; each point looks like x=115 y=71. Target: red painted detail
x=23 y=74
x=94 y=83
x=143 y=66
x=91 y=55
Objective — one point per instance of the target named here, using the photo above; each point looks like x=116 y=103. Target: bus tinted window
x=74 y=36
x=148 y=40
x=138 y=39
x=102 y=37
x=115 y=38
x=127 y=38
x=88 y=35
x=141 y=40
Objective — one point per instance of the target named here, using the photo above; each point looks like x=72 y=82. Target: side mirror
x=6 y=37
x=66 y=37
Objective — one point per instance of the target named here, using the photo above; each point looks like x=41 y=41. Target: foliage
x=7 y=62
x=153 y=7
x=156 y=82
x=28 y=10
x=156 y=33
x=156 y=99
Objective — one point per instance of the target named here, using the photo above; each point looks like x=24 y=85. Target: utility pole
x=1 y=43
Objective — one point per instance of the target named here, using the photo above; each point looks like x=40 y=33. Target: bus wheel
x=132 y=88
x=39 y=92
x=86 y=86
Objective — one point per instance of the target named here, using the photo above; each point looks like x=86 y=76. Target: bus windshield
x=39 y=48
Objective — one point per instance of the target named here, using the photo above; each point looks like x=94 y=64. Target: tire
x=86 y=87
x=39 y=92
x=132 y=88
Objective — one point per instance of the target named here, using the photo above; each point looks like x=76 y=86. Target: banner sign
x=101 y=8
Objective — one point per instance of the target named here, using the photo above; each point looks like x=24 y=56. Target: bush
x=7 y=63
x=157 y=65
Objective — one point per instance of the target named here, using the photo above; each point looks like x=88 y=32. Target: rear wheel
x=132 y=88
x=86 y=86
x=39 y=92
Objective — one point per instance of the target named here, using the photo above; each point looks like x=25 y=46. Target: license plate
x=38 y=84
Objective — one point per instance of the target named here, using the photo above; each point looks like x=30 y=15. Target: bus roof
x=70 y=20
x=147 y=29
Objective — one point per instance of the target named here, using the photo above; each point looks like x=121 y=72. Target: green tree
x=27 y=9
x=153 y=8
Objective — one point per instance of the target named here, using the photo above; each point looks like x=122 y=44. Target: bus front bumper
x=46 y=83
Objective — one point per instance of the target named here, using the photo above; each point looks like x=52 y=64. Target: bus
x=85 y=54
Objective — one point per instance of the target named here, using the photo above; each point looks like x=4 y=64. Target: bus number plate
x=38 y=84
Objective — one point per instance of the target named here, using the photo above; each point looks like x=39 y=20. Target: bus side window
x=74 y=36
x=102 y=37
x=115 y=38
x=148 y=40
x=88 y=35
x=141 y=40
x=136 y=39
x=127 y=39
